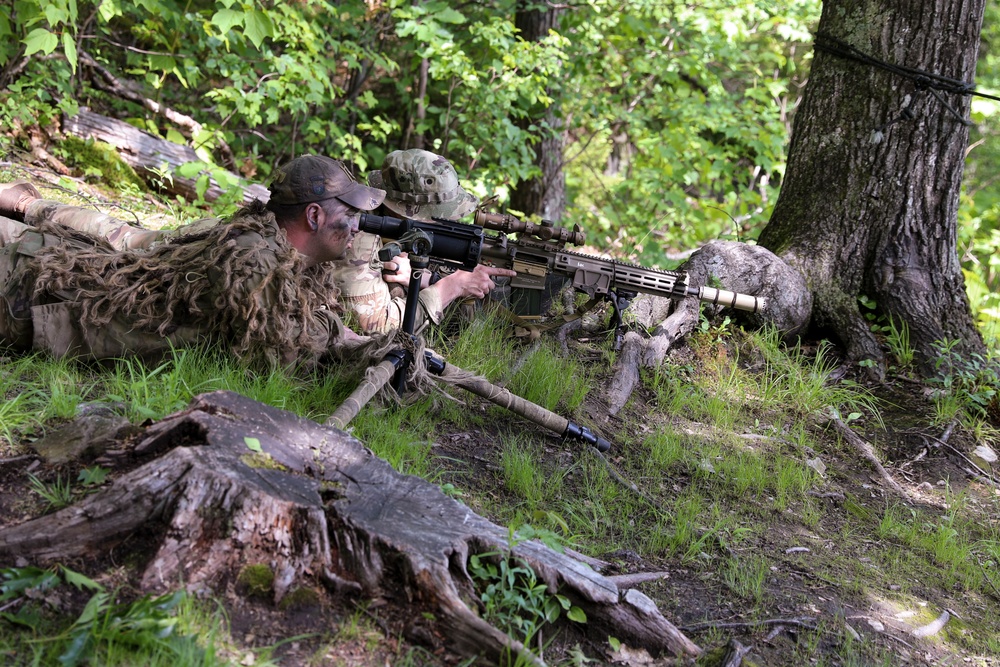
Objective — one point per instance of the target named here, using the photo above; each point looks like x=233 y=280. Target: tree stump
x=316 y=504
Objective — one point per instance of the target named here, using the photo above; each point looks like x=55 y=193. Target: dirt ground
x=814 y=598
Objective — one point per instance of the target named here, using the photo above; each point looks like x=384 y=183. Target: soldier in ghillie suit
x=422 y=186
x=259 y=283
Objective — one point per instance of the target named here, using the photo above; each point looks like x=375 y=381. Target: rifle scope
x=449 y=241
x=546 y=231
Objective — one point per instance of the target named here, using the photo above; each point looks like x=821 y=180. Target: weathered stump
x=315 y=503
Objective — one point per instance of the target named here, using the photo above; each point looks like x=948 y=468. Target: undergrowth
x=729 y=456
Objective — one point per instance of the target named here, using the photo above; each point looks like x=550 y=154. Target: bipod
x=396 y=364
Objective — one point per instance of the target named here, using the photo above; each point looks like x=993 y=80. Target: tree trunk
x=869 y=206
x=544 y=195
x=234 y=483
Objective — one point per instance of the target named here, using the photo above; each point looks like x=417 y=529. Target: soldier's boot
x=15 y=197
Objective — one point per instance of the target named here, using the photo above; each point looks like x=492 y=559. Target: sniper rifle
x=538 y=251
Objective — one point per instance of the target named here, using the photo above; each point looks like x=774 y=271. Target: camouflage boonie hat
x=313 y=178
x=419 y=184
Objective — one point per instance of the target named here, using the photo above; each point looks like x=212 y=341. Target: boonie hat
x=422 y=185
x=312 y=178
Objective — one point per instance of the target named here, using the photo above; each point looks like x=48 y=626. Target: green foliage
x=98 y=161
x=256 y=580
x=966 y=383
x=104 y=632
x=513 y=598
x=665 y=94
x=56 y=494
x=542 y=379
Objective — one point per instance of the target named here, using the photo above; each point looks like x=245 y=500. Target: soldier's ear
x=312 y=216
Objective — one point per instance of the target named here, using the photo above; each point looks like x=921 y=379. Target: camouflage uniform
x=419 y=185
x=120 y=234
x=49 y=315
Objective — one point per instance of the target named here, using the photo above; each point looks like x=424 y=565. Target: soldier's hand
x=397 y=270
x=476 y=283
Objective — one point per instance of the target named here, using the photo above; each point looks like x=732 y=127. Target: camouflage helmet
x=422 y=185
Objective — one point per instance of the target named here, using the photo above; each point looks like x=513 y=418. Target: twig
x=615 y=475
x=866 y=450
x=733 y=657
x=16 y=459
x=803 y=622
x=829 y=494
x=987 y=578
x=943 y=440
x=933 y=627
x=947 y=432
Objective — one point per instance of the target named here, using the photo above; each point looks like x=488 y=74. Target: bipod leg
x=520 y=406
x=376 y=378
x=620 y=300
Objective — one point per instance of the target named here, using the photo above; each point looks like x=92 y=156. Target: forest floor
x=848 y=574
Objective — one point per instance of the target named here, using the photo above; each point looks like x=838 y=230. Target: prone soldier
x=259 y=282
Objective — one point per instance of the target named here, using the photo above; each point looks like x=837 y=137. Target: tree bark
x=869 y=206
x=544 y=195
x=316 y=505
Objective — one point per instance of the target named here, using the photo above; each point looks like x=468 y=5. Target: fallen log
x=150 y=156
x=232 y=482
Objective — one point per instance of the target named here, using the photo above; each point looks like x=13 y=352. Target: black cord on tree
x=922 y=79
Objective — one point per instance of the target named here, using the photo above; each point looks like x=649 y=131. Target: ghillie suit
x=239 y=283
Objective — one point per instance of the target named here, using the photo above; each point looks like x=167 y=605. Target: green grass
x=720 y=459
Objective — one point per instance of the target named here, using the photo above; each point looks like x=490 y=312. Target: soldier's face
x=336 y=225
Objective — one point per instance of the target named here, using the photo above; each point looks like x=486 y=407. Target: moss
x=299 y=598
x=261 y=460
x=255 y=581
x=96 y=160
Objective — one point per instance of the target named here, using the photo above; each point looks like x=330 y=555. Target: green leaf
x=449 y=15
x=189 y=169
x=41 y=40
x=79 y=581
x=258 y=26
x=226 y=19
x=69 y=48
x=615 y=643
x=576 y=614
x=253 y=444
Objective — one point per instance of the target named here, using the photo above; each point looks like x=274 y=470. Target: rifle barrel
x=721 y=297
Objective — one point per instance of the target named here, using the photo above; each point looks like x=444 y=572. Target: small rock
x=817 y=465
x=876 y=625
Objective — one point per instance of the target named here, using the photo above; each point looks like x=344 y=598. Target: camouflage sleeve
x=366 y=296
x=121 y=234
